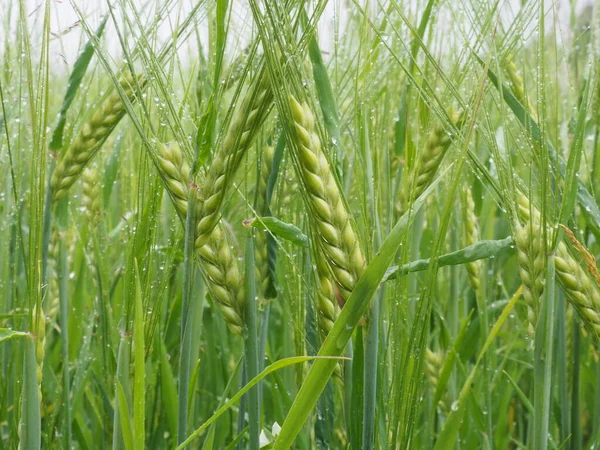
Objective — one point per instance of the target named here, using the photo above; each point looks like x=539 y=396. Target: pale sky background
x=68 y=36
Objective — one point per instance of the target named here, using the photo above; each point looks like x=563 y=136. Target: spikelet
x=518 y=88
x=220 y=267
x=89 y=140
x=427 y=164
x=228 y=156
x=218 y=263
x=335 y=236
x=261 y=256
x=91 y=197
x=175 y=172
x=471 y=236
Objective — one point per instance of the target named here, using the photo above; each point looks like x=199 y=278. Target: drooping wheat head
x=532 y=262
x=220 y=267
x=518 y=87
x=218 y=263
x=578 y=283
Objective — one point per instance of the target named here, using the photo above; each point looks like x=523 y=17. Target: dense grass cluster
x=246 y=236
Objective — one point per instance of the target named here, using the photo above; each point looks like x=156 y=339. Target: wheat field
x=343 y=224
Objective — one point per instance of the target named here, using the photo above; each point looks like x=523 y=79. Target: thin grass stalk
x=561 y=372
x=122 y=377
x=185 y=360
x=63 y=286
x=543 y=356
x=371 y=358
x=577 y=437
x=251 y=344
x=30 y=433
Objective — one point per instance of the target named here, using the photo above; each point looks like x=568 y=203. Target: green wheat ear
x=334 y=232
x=90 y=138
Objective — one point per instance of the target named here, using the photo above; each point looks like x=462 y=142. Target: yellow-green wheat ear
x=218 y=263
x=91 y=193
x=225 y=283
x=263 y=273
x=532 y=263
x=471 y=236
x=580 y=287
x=89 y=140
x=333 y=229
x=518 y=87
x=228 y=157
x=428 y=162
x=175 y=173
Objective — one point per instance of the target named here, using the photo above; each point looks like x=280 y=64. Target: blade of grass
x=481 y=250
x=282 y=363
x=185 y=356
x=447 y=438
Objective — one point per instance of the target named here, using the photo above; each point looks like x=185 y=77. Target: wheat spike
x=226 y=160
x=427 y=163
x=91 y=195
x=334 y=232
x=175 y=172
x=261 y=256
x=532 y=261
x=518 y=88
x=218 y=263
x=471 y=236
x=89 y=140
